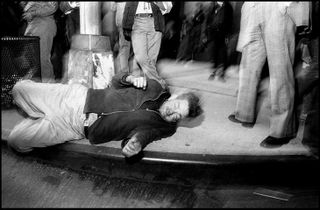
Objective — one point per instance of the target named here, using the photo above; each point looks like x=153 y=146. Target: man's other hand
x=137 y=81
x=133 y=147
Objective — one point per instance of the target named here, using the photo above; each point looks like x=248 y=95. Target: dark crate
x=20 y=58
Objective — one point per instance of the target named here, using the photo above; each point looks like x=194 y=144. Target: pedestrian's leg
x=46 y=40
x=141 y=45
x=139 y=42
x=211 y=57
x=280 y=45
x=154 y=43
x=124 y=51
x=224 y=60
x=253 y=59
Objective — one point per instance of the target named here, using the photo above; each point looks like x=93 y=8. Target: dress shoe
x=232 y=118
x=222 y=79
x=212 y=76
x=272 y=142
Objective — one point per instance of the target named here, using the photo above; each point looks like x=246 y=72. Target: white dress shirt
x=145 y=7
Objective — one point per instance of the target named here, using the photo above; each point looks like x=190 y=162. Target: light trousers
x=55 y=114
x=124 y=52
x=146 y=44
x=272 y=40
x=125 y=63
x=46 y=29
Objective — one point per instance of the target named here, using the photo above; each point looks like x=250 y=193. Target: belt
x=144 y=15
x=86 y=128
x=89 y=121
x=86 y=125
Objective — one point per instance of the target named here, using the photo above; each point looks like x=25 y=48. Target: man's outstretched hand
x=133 y=147
x=137 y=81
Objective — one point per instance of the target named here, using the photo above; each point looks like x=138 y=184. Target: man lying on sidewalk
x=136 y=110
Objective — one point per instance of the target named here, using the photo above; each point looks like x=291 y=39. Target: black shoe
x=232 y=118
x=272 y=142
x=211 y=77
x=221 y=79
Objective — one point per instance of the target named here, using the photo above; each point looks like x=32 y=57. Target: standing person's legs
x=55 y=114
x=280 y=45
x=46 y=29
x=124 y=52
x=146 y=45
x=46 y=40
x=252 y=61
x=218 y=54
x=154 y=44
x=222 y=57
x=211 y=45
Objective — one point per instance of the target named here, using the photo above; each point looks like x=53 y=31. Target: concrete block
x=95 y=43
x=92 y=69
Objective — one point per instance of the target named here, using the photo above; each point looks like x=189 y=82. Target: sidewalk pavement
x=211 y=133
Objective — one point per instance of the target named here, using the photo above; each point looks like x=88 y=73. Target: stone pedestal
x=90 y=61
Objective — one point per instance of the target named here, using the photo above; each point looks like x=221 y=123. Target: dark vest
x=130 y=11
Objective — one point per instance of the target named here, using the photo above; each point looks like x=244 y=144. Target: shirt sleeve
x=147 y=135
x=119 y=81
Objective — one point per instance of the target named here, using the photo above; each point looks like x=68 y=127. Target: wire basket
x=20 y=58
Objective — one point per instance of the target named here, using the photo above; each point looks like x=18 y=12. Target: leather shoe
x=211 y=77
x=232 y=118
x=272 y=142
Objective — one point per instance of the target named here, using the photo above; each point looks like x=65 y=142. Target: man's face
x=174 y=110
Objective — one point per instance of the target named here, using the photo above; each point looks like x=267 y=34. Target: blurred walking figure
x=194 y=45
x=170 y=41
x=41 y=23
x=268 y=33
x=307 y=81
x=144 y=24
x=184 y=51
x=218 y=28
